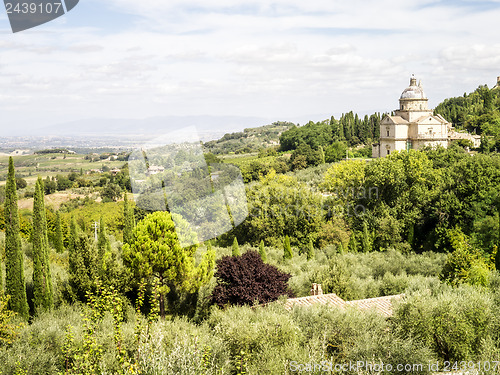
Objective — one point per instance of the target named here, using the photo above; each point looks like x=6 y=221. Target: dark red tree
x=246 y=278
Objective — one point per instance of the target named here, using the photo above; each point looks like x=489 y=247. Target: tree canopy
x=156 y=255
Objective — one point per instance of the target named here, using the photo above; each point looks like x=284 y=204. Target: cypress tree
x=287 y=249
x=366 y=241
x=321 y=155
x=236 y=248
x=310 y=251
x=128 y=221
x=341 y=130
x=103 y=244
x=72 y=237
x=497 y=257
x=58 y=240
x=73 y=256
x=42 y=281
x=83 y=269
x=83 y=266
x=353 y=244
x=411 y=235
x=340 y=248
x=262 y=251
x=15 y=285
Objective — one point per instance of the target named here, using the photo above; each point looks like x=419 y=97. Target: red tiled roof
x=324 y=299
x=382 y=305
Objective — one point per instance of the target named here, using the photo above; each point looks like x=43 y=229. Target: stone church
x=414 y=125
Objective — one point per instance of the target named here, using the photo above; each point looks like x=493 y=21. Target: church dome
x=414 y=91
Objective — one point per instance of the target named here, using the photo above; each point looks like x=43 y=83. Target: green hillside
x=477 y=112
x=249 y=140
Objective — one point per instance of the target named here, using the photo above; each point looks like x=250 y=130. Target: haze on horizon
x=280 y=60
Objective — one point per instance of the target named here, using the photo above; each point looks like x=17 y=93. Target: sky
x=279 y=60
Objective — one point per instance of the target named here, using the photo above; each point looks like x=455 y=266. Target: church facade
x=414 y=125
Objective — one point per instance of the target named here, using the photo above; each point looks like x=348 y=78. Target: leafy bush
x=464 y=264
x=352 y=335
x=453 y=322
x=246 y=278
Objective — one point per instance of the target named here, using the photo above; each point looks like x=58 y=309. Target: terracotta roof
x=382 y=305
x=324 y=299
x=397 y=120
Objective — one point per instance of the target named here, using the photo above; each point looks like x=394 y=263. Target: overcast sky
x=280 y=59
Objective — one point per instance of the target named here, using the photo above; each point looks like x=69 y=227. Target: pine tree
x=236 y=248
x=42 y=280
x=128 y=221
x=14 y=258
x=310 y=251
x=262 y=251
x=287 y=249
x=58 y=240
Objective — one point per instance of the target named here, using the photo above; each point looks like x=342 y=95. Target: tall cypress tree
x=497 y=257
x=15 y=285
x=236 y=248
x=72 y=237
x=353 y=244
x=366 y=240
x=83 y=267
x=128 y=221
x=103 y=244
x=58 y=240
x=42 y=280
x=287 y=249
x=321 y=155
x=310 y=251
x=262 y=251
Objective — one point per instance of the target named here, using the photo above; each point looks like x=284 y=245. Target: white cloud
x=255 y=58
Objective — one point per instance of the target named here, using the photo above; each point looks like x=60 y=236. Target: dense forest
x=477 y=112
x=95 y=282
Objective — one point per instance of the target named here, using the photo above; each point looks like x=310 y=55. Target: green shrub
x=341 y=336
x=393 y=284
x=267 y=337
x=453 y=322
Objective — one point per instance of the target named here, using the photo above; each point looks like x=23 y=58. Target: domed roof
x=414 y=91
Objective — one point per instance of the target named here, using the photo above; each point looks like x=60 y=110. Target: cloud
x=218 y=57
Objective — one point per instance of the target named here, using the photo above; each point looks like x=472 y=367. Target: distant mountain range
x=208 y=127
